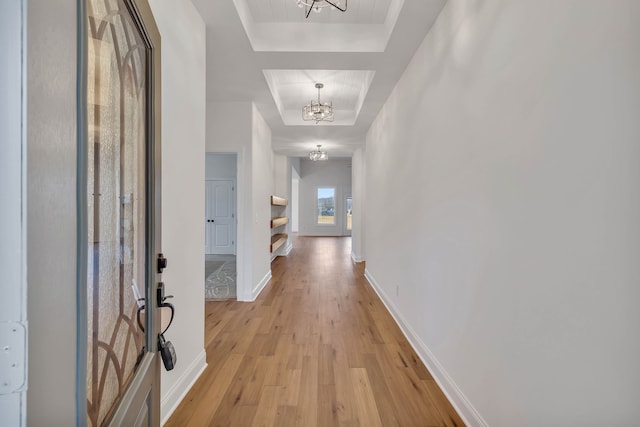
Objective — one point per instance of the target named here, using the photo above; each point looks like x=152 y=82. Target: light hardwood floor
x=317 y=348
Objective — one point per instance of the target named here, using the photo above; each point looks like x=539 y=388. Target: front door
x=119 y=215
x=220 y=218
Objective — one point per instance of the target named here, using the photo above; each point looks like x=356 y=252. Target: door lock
x=162 y=263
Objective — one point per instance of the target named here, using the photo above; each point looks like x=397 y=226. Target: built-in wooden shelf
x=278 y=201
x=279 y=221
x=278 y=240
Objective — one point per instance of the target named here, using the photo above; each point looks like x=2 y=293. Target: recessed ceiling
x=281 y=26
x=345 y=89
x=238 y=71
x=360 y=12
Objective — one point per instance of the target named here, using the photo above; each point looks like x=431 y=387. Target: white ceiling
x=281 y=26
x=264 y=51
x=346 y=89
x=360 y=12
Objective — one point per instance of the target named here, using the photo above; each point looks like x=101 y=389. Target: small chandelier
x=316 y=155
x=318 y=111
x=318 y=5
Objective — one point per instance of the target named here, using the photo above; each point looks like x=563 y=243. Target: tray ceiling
x=280 y=26
x=346 y=89
x=266 y=53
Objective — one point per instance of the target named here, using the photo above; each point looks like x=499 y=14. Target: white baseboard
x=288 y=249
x=179 y=390
x=260 y=286
x=356 y=258
x=461 y=404
x=282 y=251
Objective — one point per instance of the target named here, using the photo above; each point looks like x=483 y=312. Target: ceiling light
x=316 y=155
x=318 y=111
x=318 y=5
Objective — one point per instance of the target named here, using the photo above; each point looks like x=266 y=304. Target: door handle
x=161 y=299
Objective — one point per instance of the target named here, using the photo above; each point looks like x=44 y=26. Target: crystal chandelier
x=318 y=111
x=318 y=5
x=316 y=155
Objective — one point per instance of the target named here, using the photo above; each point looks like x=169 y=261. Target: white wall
x=358 y=195
x=263 y=187
x=221 y=166
x=295 y=163
x=281 y=170
x=293 y=208
x=331 y=173
x=507 y=163
x=183 y=171
x=228 y=126
x=51 y=211
x=292 y=184
x=295 y=201
x=13 y=225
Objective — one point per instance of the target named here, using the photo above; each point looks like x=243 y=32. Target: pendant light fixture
x=318 y=111
x=318 y=5
x=318 y=155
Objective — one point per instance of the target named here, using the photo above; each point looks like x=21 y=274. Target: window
x=326 y=205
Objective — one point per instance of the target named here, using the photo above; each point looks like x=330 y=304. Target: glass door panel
x=117 y=89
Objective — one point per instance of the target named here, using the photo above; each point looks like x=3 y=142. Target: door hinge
x=13 y=363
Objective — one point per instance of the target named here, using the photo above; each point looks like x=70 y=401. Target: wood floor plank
x=209 y=400
x=326 y=363
x=317 y=348
x=286 y=416
x=389 y=415
x=365 y=402
x=307 y=409
x=291 y=391
x=449 y=418
x=327 y=405
x=267 y=407
x=247 y=383
x=345 y=405
x=406 y=392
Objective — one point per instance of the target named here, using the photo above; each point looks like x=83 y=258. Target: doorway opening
x=220 y=273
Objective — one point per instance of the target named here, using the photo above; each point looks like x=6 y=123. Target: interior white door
x=220 y=220
x=208 y=216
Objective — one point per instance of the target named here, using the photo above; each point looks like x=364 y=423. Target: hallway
x=317 y=348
